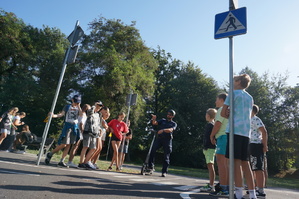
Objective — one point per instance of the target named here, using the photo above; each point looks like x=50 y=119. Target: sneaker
x=89 y=165
x=96 y=166
x=48 y=158
x=61 y=164
x=20 y=152
x=81 y=166
x=109 y=169
x=163 y=175
x=259 y=194
x=207 y=188
x=71 y=164
x=220 y=193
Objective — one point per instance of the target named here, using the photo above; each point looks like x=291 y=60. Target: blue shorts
x=221 y=145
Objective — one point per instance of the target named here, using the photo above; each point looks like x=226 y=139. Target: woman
x=118 y=129
x=104 y=126
x=6 y=123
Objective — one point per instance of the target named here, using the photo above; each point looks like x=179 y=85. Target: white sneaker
x=207 y=188
x=71 y=164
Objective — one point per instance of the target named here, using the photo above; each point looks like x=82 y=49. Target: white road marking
x=165 y=183
x=185 y=188
x=3 y=171
x=185 y=195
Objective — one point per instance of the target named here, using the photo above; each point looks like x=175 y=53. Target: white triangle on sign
x=230 y=23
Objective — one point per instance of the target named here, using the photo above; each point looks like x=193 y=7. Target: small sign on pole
x=230 y=23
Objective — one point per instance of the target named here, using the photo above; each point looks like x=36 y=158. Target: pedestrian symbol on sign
x=231 y=23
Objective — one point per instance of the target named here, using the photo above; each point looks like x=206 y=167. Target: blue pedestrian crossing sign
x=230 y=23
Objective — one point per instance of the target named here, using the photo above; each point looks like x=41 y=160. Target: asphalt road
x=21 y=178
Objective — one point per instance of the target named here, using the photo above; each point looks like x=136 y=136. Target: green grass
x=283 y=182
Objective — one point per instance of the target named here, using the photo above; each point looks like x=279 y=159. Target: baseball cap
x=77 y=99
x=99 y=102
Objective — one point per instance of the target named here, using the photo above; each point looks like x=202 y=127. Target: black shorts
x=241 y=147
x=256 y=156
x=114 y=138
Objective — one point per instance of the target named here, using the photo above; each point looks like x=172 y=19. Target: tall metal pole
x=124 y=137
x=233 y=4
x=231 y=119
x=45 y=133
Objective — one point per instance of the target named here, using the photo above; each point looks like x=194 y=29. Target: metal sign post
x=231 y=121
x=229 y=24
x=131 y=100
x=69 y=58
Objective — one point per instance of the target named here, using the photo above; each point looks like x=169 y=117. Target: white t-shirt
x=71 y=116
x=256 y=135
x=82 y=119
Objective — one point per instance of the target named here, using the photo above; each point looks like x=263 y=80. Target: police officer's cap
x=172 y=112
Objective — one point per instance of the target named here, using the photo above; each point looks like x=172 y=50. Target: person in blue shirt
x=243 y=103
x=166 y=128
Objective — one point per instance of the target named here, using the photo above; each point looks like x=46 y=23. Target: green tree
x=116 y=62
x=279 y=112
x=30 y=67
x=184 y=88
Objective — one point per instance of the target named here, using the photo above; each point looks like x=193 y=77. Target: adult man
x=70 y=132
x=166 y=128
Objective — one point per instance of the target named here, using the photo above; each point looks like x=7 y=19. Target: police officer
x=164 y=138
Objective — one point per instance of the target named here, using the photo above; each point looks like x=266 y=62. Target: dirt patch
x=291 y=173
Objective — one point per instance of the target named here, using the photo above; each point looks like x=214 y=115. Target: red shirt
x=118 y=128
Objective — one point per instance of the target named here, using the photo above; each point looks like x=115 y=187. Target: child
x=209 y=149
x=22 y=137
x=258 y=147
x=218 y=133
x=118 y=128
x=90 y=134
x=243 y=103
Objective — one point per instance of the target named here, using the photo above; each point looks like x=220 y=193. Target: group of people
x=10 y=136
x=250 y=143
x=88 y=125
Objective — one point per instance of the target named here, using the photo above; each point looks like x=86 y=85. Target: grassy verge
x=282 y=182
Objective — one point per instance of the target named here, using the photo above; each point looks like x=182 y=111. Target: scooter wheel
x=143 y=170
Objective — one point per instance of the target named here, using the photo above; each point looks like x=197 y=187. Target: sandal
x=117 y=169
x=109 y=169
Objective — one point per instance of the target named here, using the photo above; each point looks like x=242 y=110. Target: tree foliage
x=184 y=88
x=279 y=111
x=113 y=62
x=116 y=62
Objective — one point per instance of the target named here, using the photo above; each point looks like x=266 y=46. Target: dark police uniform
x=165 y=140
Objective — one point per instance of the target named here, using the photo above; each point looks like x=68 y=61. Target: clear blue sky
x=186 y=29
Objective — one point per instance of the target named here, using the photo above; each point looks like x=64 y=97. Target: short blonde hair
x=245 y=80
x=212 y=113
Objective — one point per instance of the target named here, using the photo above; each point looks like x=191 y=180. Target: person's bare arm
x=265 y=138
x=225 y=111
x=215 y=130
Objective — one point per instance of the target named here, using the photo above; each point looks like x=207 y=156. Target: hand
x=213 y=140
x=227 y=112
x=160 y=131
x=50 y=114
x=154 y=117
x=265 y=149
